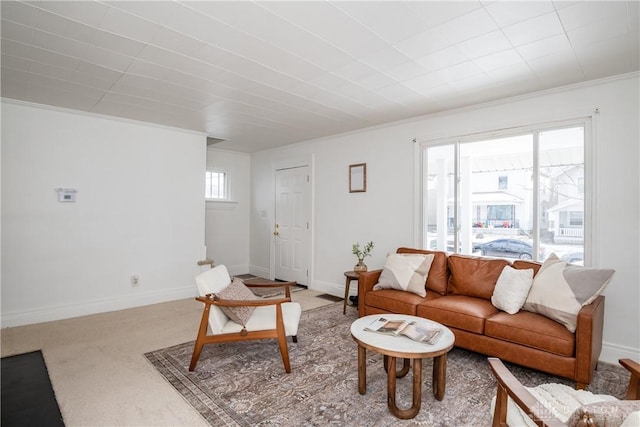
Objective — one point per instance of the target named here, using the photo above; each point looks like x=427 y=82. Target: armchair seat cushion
x=561 y=400
x=532 y=330
x=264 y=318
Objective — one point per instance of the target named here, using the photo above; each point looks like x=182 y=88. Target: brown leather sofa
x=459 y=290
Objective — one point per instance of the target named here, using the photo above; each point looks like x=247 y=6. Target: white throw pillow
x=512 y=289
x=406 y=272
x=560 y=290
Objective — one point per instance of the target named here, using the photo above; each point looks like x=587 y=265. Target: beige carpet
x=97 y=366
x=244 y=384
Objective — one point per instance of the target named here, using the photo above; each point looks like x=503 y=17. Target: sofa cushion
x=520 y=264
x=458 y=311
x=512 y=289
x=532 y=330
x=395 y=301
x=474 y=276
x=438 y=273
x=405 y=272
x=560 y=290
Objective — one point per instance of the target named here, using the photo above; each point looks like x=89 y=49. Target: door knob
x=276 y=233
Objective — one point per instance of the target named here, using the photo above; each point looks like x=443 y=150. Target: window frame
x=226 y=186
x=588 y=122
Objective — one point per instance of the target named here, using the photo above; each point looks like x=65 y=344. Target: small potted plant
x=361 y=254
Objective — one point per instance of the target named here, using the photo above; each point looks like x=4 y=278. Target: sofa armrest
x=589 y=329
x=366 y=281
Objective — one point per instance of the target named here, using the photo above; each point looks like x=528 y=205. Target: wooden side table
x=350 y=275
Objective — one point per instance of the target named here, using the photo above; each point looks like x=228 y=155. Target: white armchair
x=556 y=405
x=271 y=318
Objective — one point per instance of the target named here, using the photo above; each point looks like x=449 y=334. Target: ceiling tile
x=17 y=32
x=127 y=25
x=393 y=21
x=407 y=71
x=385 y=58
x=534 y=29
x=159 y=12
x=15 y=63
x=428 y=81
x=376 y=81
x=544 y=47
x=349 y=35
x=498 y=60
x=492 y=42
x=253 y=19
x=583 y=13
x=168 y=39
x=443 y=58
x=506 y=14
x=457 y=30
x=19 y=12
x=69 y=75
x=436 y=13
x=602 y=30
x=355 y=70
x=87 y=12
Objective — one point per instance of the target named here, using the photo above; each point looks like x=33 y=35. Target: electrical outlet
x=135 y=280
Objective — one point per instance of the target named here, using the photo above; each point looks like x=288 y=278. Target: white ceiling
x=264 y=74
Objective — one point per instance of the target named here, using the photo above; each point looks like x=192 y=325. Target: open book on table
x=409 y=329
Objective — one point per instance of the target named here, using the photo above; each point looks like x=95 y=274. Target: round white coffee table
x=393 y=347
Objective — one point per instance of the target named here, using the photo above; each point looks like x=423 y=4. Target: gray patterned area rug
x=244 y=384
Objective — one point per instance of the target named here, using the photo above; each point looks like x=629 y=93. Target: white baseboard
x=335 y=289
x=237 y=269
x=259 y=271
x=48 y=314
x=611 y=353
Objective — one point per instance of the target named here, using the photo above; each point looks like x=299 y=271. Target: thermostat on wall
x=67 y=194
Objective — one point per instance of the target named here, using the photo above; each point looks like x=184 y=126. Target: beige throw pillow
x=405 y=272
x=237 y=291
x=512 y=289
x=560 y=290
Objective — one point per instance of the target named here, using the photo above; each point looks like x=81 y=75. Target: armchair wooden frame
x=509 y=386
x=244 y=335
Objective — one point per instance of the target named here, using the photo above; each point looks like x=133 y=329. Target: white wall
x=227 y=223
x=386 y=212
x=140 y=210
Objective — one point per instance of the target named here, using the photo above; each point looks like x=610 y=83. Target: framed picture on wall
x=358 y=178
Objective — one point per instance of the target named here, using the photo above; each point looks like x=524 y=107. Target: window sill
x=220 y=201
x=220 y=205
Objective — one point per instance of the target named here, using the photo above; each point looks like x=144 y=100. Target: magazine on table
x=409 y=329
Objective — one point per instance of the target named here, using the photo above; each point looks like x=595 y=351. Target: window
x=216 y=186
x=502 y=182
x=539 y=201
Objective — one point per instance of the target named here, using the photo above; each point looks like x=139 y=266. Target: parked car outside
x=506 y=248
x=573 y=257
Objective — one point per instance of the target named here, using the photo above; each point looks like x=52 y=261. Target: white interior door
x=292 y=224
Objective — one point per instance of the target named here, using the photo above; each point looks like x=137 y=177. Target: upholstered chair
x=237 y=316
x=556 y=405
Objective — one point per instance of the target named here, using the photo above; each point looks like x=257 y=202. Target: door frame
x=289 y=163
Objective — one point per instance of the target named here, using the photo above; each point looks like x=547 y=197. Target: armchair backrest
x=214 y=281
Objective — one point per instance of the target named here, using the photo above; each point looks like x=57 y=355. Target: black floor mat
x=27 y=396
